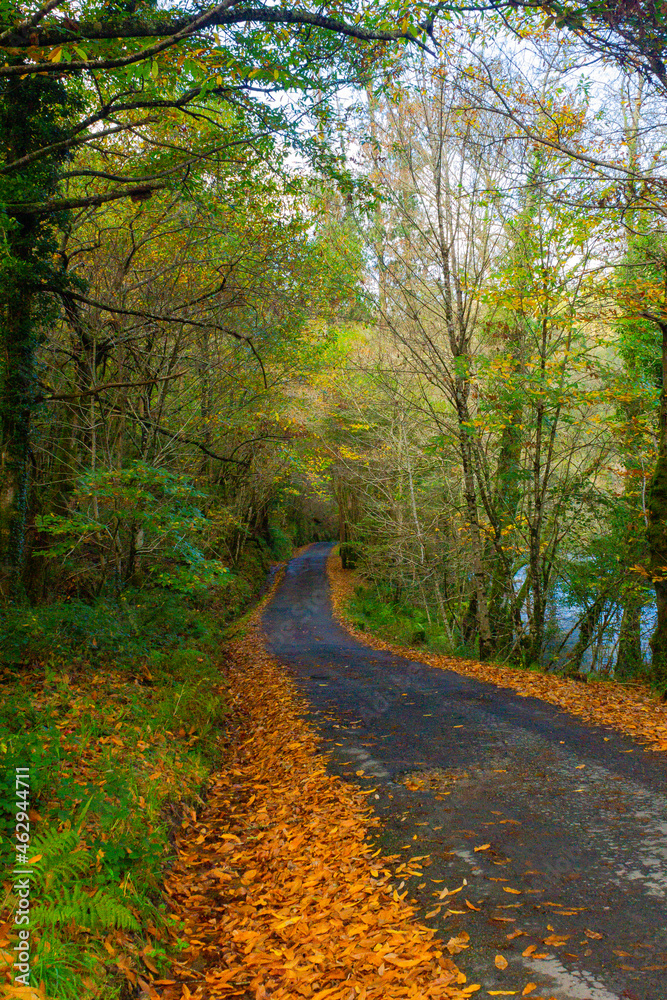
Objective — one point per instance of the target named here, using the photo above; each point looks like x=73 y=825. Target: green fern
x=99 y=911
x=57 y=879
x=63 y=857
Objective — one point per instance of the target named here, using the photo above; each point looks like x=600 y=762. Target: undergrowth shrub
x=402 y=623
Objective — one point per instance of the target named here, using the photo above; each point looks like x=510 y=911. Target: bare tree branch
x=64 y=397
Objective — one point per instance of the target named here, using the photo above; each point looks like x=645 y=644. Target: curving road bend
x=575 y=817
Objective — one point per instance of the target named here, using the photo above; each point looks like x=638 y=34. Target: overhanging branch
x=173 y=32
x=138 y=193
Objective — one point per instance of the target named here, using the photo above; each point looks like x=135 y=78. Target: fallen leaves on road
x=557 y=940
x=458 y=943
x=433 y=779
x=276 y=889
x=635 y=711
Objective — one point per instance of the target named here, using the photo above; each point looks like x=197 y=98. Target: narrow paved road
x=576 y=817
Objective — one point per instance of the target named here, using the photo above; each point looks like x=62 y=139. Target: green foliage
x=401 y=622
x=101 y=910
x=104 y=630
x=64 y=965
x=279 y=543
x=70 y=898
x=640 y=285
x=63 y=857
x=63 y=860
x=121 y=516
x=33 y=113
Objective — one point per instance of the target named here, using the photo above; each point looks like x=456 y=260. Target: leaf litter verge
x=635 y=711
x=276 y=892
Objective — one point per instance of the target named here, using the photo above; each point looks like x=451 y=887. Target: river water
x=562 y=635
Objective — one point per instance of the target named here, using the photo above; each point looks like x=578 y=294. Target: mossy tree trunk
x=33 y=115
x=657 y=532
x=629 y=661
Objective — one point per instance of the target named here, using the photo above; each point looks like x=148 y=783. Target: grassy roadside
x=118 y=709
x=395 y=622
x=635 y=710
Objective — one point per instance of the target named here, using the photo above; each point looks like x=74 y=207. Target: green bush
x=399 y=622
x=279 y=543
x=126 y=523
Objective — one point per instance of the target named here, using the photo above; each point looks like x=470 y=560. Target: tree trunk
x=506 y=504
x=476 y=543
x=657 y=533
x=33 y=111
x=17 y=402
x=586 y=629
x=629 y=660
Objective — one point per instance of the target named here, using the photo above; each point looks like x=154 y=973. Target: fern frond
x=62 y=857
x=102 y=910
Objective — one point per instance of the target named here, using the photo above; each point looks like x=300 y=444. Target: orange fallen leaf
x=557 y=939
x=403 y=963
x=147 y=989
x=500 y=962
x=528 y=988
x=458 y=943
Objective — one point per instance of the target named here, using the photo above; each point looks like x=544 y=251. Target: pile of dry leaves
x=635 y=710
x=276 y=889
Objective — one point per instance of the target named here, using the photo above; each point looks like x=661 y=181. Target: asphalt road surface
x=575 y=817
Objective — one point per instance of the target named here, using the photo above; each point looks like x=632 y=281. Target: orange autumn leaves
x=635 y=711
x=275 y=884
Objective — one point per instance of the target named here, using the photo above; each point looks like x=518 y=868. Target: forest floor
x=542 y=837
